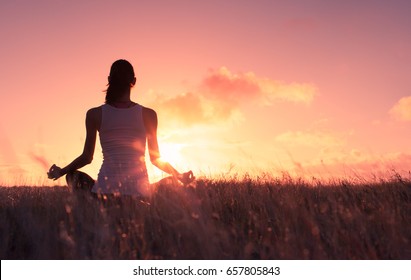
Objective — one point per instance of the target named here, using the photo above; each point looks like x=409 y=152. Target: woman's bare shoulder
x=94 y=111
x=94 y=116
x=149 y=113
x=150 y=119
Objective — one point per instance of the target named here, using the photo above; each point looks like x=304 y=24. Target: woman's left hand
x=54 y=172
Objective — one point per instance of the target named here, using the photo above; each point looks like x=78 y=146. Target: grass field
x=218 y=219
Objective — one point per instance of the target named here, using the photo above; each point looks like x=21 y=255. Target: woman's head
x=120 y=80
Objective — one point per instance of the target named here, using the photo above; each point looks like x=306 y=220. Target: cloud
x=221 y=93
x=41 y=160
x=187 y=108
x=363 y=166
x=325 y=154
x=225 y=85
x=402 y=109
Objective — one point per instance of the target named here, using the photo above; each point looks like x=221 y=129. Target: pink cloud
x=357 y=165
x=41 y=160
x=225 y=85
x=220 y=94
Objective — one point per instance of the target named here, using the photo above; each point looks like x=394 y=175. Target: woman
x=124 y=129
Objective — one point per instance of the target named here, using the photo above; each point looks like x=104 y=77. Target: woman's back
x=123 y=141
x=123 y=133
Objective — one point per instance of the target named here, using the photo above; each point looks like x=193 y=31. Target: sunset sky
x=313 y=88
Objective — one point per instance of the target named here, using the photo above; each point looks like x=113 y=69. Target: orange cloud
x=191 y=109
x=187 y=108
x=402 y=109
x=220 y=94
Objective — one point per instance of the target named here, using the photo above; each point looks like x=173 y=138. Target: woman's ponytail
x=120 y=80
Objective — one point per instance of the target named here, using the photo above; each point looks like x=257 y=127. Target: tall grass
x=218 y=219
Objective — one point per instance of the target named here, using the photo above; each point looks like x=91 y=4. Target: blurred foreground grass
x=218 y=219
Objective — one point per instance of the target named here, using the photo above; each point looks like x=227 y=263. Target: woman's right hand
x=54 y=172
x=187 y=177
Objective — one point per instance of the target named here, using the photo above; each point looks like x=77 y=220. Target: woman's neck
x=124 y=98
x=122 y=104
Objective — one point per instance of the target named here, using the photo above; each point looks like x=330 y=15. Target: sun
x=171 y=152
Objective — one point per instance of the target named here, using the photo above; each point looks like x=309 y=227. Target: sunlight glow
x=171 y=152
x=237 y=97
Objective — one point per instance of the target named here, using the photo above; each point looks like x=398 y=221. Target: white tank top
x=123 y=141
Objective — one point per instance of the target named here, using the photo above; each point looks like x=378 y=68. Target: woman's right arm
x=151 y=123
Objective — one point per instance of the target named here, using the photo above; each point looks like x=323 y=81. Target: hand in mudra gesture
x=186 y=178
x=54 y=172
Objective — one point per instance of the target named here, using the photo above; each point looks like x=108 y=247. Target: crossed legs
x=78 y=180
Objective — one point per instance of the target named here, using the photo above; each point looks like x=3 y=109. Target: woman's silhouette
x=124 y=129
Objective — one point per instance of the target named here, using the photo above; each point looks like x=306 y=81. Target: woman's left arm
x=86 y=157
